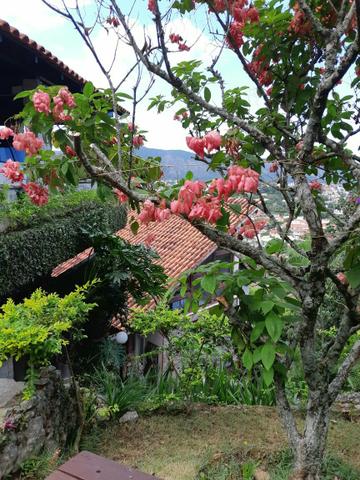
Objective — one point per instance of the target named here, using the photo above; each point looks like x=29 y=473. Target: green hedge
x=30 y=254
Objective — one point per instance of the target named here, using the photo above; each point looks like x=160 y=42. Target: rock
x=261 y=475
x=131 y=416
x=348 y=404
x=8 y=391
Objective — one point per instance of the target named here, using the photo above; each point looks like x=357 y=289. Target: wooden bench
x=88 y=466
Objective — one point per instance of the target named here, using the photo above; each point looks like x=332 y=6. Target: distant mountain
x=176 y=163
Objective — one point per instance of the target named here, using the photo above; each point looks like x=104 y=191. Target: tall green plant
x=39 y=327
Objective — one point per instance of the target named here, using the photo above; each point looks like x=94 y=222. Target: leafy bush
x=23 y=213
x=202 y=363
x=119 y=395
x=40 y=326
x=30 y=254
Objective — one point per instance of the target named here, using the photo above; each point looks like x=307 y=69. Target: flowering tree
x=296 y=55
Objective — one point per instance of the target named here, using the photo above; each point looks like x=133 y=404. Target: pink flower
x=223 y=188
x=212 y=141
x=243 y=180
x=5 y=133
x=152 y=6
x=315 y=185
x=274 y=167
x=252 y=15
x=11 y=170
x=250 y=228
x=66 y=97
x=299 y=146
x=38 y=195
x=151 y=213
x=269 y=91
x=342 y=278
x=235 y=35
x=175 y=38
x=122 y=197
x=219 y=6
x=208 y=209
x=138 y=141
x=69 y=151
x=41 y=101
x=197 y=145
x=183 y=47
x=132 y=127
x=27 y=141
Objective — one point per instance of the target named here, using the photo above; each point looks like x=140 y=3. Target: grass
x=177 y=447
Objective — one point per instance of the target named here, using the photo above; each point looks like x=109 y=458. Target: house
x=26 y=64
x=181 y=247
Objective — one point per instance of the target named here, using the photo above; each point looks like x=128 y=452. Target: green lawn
x=175 y=447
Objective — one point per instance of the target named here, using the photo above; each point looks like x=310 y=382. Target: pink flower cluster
x=152 y=213
x=70 y=152
x=5 y=133
x=122 y=197
x=250 y=228
x=239 y=180
x=315 y=185
x=63 y=99
x=27 y=141
x=210 y=142
x=260 y=67
x=152 y=6
x=189 y=193
x=241 y=15
x=138 y=141
x=11 y=170
x=194 y=205
x=175 y=38
x=38 y=195
x=41 y=101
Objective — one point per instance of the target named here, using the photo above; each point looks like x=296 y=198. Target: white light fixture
x=121 y=337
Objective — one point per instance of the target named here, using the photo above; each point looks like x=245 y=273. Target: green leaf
x=88 y=89
x=23 y=94
x=257 y=331
x=207 y=94
x=353 y=276
x=247 y=359
x=134 y=226
x=268 y=355
x=274 y=246
x=268 y=376
x=208 y=283
x=266 y=306
x=274 y=325
x=257 y=355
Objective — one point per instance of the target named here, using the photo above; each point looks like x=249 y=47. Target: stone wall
x=47 y=421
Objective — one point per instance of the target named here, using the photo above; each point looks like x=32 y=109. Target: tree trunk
x=309 y=449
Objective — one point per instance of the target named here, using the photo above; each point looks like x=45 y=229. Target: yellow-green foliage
x=40 y=325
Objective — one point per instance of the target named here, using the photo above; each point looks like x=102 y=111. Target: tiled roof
x=39 y=49
x=179 y=244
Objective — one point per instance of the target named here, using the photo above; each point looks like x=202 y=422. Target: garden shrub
x=39 y=327
x=29 y=254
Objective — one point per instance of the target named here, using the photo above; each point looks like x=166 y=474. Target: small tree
x=295 y=55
